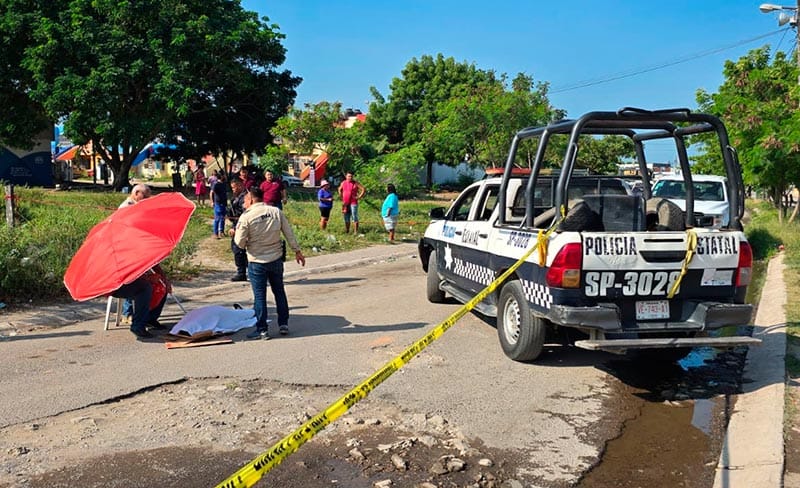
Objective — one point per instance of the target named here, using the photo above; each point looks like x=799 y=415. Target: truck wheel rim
x=511 y=321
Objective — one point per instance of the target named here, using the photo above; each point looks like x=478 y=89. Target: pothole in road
x=346 y=459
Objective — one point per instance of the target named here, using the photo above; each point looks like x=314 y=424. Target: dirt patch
x=199 y=432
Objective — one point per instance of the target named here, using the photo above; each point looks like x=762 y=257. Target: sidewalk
x=752 y=452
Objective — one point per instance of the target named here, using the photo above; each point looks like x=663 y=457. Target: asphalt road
x=346 y=323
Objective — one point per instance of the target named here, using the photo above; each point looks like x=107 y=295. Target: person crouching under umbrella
x=149 y=293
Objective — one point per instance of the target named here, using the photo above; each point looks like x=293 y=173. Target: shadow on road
x=47 y=335
x=322 y=281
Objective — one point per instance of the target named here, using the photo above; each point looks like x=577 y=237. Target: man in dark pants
x=140 y=291
x=234 y=212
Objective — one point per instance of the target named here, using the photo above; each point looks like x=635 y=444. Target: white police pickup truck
x=627 y=271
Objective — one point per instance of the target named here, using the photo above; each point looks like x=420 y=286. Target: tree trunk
x=429 y=174
x=121 y=179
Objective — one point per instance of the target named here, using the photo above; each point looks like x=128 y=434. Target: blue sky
x=341 y=48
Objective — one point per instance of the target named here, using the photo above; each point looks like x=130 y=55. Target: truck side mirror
x=437 y=213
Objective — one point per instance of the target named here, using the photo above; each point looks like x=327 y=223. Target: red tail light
x=745 y=266
x=565 y=272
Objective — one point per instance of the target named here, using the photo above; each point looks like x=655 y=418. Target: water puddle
x=677 y=415
x=672 y=438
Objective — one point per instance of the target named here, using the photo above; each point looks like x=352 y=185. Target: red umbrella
x=130 y=241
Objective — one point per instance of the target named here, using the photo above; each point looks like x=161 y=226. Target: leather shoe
x=155 y=324
x=141 y=334
x=239 y=278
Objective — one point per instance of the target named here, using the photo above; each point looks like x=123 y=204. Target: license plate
x=652 y=309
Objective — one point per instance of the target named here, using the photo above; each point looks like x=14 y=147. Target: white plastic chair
x=118 y=315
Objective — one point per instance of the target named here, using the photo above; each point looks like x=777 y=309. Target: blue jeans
x=260 y=274
x=219 y=218
x=127 y=307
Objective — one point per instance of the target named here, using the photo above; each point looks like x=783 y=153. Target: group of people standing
x=350 y=192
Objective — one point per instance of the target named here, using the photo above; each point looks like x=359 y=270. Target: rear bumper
x=622 y=345
x=696 y=316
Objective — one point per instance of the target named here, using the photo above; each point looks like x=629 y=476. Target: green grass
x=766 y=234
x=51 y=226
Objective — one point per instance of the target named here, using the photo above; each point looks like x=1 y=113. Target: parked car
x=290 y=180
x=710 y=197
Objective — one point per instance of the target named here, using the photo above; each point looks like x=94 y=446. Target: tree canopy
x=479 y=124
x=322 y=126
x=202 y=74
x=411 y=110
x=759 y=102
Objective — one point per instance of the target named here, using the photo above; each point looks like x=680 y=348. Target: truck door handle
x=458 y=232
x=484 y=236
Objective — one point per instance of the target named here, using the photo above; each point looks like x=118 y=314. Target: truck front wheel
x=435 y=295
x=521 y=334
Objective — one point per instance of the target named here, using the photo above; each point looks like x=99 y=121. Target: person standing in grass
x=390 y=210
x=200 y=189
x=219 y=197
x=325 y=198
x=351 y=192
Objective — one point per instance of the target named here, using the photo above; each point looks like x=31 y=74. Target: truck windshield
x=710 y=191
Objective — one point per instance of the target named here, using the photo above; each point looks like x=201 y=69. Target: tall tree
x=759 y=102
x=21 y=118
x=412 y=106
x=479 y=125
x=601 y=155
x=321 y=126
x=202 y=73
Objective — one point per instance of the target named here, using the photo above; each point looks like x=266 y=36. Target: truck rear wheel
x=435 y=295
x=521 y=334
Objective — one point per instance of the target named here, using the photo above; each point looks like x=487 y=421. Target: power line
x=638 y=71
x=778 y=48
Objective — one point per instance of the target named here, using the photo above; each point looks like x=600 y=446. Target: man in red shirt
x=274 y=191
x=247 y=177
x=350 y=192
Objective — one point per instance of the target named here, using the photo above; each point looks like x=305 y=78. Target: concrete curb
x=324 y=264
x=752 y=453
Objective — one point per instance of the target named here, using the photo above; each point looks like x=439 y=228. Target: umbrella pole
x=176 y=301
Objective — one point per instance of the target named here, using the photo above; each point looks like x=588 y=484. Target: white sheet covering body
x=215 y=318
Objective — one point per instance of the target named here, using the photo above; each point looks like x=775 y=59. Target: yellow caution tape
x=251 y=473
x=691 y=245
x=544 y=236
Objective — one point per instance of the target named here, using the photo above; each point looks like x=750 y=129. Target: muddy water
x=675 y=424
x=676 y=417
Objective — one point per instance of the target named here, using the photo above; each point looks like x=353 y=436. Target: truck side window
x=488 y=204
x=461 y=208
